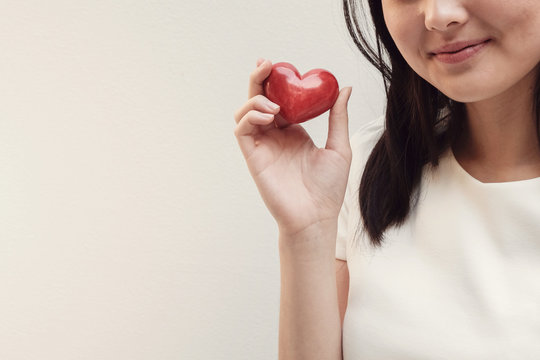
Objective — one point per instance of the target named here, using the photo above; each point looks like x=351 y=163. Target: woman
x=431 y=211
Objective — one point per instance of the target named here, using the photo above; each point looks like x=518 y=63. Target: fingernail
x=261 y=61
x=271 y=105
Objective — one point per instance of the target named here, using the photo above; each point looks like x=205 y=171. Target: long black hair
x=421 y=123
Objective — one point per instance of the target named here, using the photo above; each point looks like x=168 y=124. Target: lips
x=461 y=55
x=458 y=46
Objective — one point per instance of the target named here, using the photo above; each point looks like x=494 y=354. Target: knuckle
x=250 y=114
x=237 y=115
x=253 y=77
x=257 y=77
x=238 y=129
x=253 y=113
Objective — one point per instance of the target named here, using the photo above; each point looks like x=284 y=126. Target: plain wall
x=130 y=227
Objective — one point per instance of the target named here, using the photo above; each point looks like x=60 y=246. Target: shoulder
x=369 y=133
x=363 y=141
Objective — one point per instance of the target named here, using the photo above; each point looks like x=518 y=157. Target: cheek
x=528 y=27
x=406 y=29
x=408 y=40
x=518 y=29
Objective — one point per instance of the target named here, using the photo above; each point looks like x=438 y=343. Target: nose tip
x=442 y=15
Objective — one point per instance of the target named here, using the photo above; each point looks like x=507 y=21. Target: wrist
x=315 y=241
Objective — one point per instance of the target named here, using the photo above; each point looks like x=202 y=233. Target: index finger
x=257 y=78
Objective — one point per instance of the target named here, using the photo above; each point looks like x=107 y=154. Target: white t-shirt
x=459 y=280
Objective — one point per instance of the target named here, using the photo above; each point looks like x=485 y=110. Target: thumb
x=338 y=127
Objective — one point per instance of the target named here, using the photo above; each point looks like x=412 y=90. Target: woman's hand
x=303 y=186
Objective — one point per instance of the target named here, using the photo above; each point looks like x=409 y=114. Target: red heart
x=300 y=97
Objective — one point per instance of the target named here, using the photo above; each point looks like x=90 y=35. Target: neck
x=501 y=132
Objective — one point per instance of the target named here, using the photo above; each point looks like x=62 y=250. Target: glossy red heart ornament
x=300 y=97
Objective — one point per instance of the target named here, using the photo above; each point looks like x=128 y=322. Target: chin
x=466 y=95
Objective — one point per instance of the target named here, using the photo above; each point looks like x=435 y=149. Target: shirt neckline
x=471 y=178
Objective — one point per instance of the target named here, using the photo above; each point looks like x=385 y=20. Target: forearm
x=309 y=320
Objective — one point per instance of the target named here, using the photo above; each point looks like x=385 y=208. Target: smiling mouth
x=453 y=52
x=459 y=56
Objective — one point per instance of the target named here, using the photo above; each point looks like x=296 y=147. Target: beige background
x=129 y=225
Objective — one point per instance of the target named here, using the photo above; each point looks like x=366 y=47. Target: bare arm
x=303 y=187
x=309 y=320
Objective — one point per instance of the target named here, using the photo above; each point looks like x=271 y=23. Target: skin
x=500 y=142
x=303 y=187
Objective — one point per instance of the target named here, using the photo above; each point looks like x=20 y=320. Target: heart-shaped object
x=300 y=97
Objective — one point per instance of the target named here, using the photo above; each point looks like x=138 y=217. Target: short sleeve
x=362 y=143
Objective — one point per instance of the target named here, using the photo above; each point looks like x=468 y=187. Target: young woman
x=424 y=226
